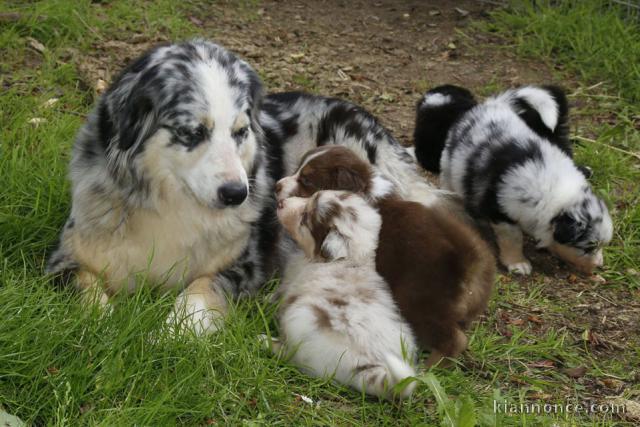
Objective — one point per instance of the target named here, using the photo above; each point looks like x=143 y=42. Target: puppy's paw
x=522 y=268
x=190 y=312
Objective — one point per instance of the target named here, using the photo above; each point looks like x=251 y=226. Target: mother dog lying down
x=173 y=173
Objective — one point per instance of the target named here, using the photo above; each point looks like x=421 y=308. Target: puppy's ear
x=137 y=121
x=333 y=247
x=349 y=180
x=566 y=228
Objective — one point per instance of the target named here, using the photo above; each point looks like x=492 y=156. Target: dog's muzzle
x=232 y=193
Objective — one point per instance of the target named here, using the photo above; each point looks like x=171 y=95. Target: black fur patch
x=433 y=123
x=558 y=136
x=503 y=158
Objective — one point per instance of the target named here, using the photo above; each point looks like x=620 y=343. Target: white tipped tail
x=380 y=380
x=543 y=102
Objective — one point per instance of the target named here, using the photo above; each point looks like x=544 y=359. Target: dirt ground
x=384 y=55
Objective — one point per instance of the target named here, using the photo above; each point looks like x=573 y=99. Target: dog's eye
x=189 y=137
x=305 y=182
x=200 y=133
x=241 y=133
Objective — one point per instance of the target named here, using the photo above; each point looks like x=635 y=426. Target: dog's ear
x=137 y=121
x=334 y=246
x=349 y=180
x=566 y=228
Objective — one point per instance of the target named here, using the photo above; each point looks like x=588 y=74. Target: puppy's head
x=581 y=231
x=332 y=225
x=332 y=167
x=184 y=117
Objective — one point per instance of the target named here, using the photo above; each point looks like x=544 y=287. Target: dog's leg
x=90 y=289
x=202 y=305
x=273 y=344
x=510 y=241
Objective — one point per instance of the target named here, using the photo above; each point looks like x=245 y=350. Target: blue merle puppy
x=510 y=159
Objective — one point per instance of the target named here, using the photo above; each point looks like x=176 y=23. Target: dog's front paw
x=523 y=268
x=191 y=313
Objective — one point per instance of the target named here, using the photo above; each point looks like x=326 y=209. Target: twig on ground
x=621 y=150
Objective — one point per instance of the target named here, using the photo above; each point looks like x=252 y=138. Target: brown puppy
x=439 y=269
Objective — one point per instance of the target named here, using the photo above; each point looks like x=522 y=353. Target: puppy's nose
x=232 y=193
x=278 y=187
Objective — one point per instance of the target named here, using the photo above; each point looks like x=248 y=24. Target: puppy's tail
x=380 y=380
x=436 y=113
x=545 y=110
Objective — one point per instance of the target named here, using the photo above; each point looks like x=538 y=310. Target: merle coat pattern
x=173 y=174
x=510 y=159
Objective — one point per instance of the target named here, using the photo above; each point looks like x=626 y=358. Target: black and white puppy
x=169 y=179
x=295 y=123
x=510 y=159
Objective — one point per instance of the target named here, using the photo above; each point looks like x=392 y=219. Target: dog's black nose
x=232 y=193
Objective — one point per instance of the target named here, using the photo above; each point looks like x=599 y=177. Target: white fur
x=364 y=332
x=436 y=99
x=338 y=318
x=540 y=99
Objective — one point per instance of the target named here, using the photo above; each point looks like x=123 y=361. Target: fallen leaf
x=577 y=372
x=37 y=121
x=596 y=278
x=36 y=44
x=53 y=370
x=451 y=46
x=434 y=12
x=535 y=319
x=572 y=278
x=542 y=364
x=50 y=102
x=462 y=12
x=195 y=21
x=405 y=15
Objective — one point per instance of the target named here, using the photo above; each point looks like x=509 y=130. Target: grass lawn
x=552 y=338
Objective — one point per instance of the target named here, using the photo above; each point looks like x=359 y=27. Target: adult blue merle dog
x=173 y=174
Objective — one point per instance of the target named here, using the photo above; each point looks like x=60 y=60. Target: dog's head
x=332 y=167
x=332 y=225
x=581 y=231
x=184 y=116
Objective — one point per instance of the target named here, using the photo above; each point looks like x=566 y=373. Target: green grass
x=592 y=38
x=61 y=364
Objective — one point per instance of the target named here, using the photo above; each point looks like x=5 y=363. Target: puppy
x=438 y=268
x=337 y=316
x=510 y=159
